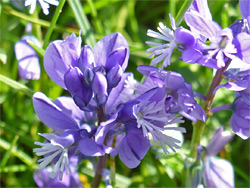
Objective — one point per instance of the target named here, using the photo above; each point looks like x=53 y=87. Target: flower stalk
x=198 y=127
x=101 y=162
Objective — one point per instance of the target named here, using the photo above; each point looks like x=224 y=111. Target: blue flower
x=28 y=61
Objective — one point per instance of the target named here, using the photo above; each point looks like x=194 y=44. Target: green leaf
x=16 y=85
x=83 y=22
x=38 y=50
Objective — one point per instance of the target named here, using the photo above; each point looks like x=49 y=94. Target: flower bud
x=114 y=76
x=99 y=86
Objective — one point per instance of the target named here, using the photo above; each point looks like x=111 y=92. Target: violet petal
x=50 y=114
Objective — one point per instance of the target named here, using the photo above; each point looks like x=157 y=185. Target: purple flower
x=245 y=11
x=219 y=140
x=179 y=94
x=220 y=48
x=171 y=40
x=72 y=132
x=238 y=80
x=88 y=75
x=240 y=120
x=42 y=177
x=28 y=61
x=202 y=8
x=135 y=122
x=133 y=148
x=218 y=172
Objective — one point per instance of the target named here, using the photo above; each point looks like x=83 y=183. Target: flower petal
x=75 y=85
x=59 y=56
x=109 y=44
x=218 y=173
x=205 y=27
x=50 y=114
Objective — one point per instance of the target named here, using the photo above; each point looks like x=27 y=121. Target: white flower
x=162 y=50
x=44 y=4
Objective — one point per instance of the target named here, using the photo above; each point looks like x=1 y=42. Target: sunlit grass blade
x=83 y=22
x=93 y=12
x=16 y=85
x=6 y=156
x=43 y=23
x=14 y=168
x=182 y=11
x=53 y=23
x=18 y=153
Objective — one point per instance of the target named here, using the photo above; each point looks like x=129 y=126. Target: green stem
x=112 y=168
x=53 y=23
x=198 y=127
x=182 y=11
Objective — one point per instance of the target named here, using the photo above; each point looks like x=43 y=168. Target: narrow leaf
x=16 y=85
x=83 y=22
x=14 y=168
x=6 y=156
x=38 y=50
x=53 y=23
x=185 y=6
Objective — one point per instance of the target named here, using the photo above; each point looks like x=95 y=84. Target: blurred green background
x=19 y=124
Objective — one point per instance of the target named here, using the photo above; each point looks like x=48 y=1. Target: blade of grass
x=18 y=153
x=14 y=84
x=99 y=5
x=182 y=11
x=83 y=22
x=172 y=8
x=6 y=156
x=43 y=23
x=53 y=23
x=14 y=168
x=97 y=22
x=38 y=50
x=37 y=30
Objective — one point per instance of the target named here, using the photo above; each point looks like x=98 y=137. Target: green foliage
x=19 y=124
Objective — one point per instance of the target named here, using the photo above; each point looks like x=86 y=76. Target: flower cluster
x=206 y=43
x=109 y=112
x=128 y=113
